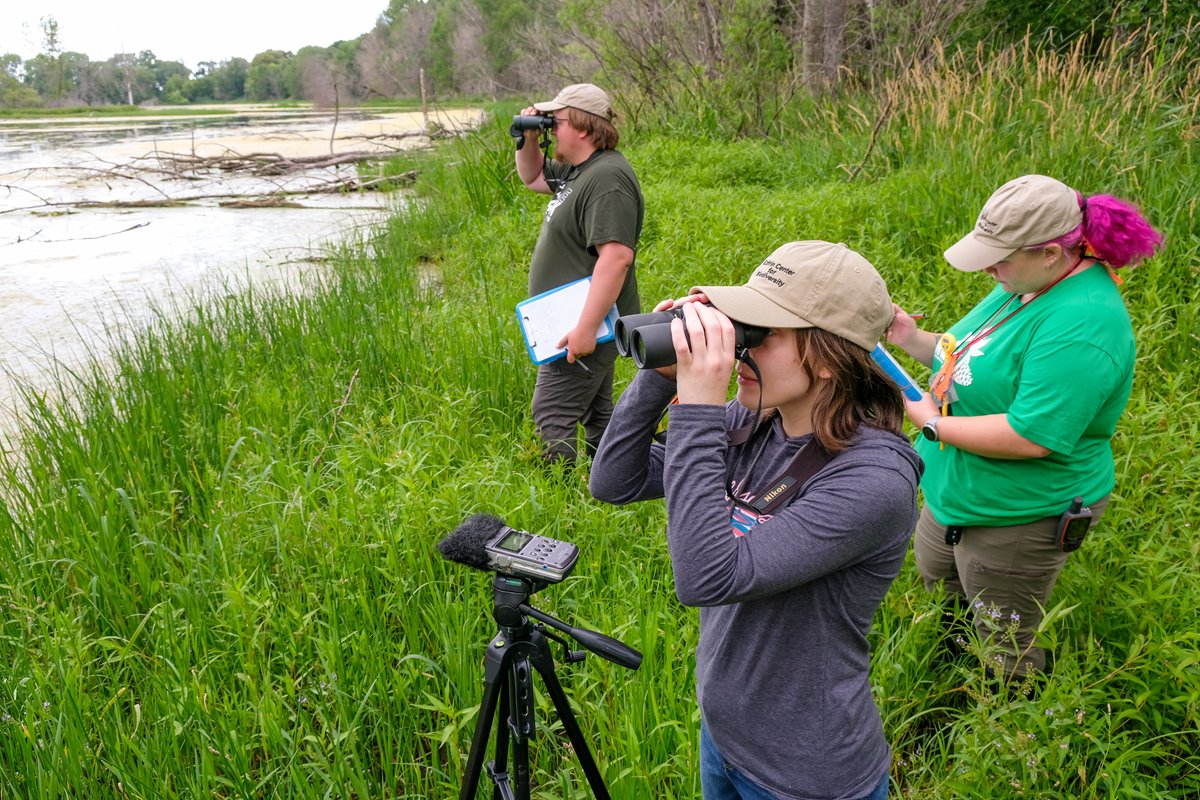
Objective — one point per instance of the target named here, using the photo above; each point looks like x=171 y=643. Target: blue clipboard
x=548 y=317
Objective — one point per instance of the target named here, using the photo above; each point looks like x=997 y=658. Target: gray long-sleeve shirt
x=783 y=661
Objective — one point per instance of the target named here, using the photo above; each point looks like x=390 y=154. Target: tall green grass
x=216 y=561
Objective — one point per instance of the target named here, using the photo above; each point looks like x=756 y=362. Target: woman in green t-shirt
x=1027 y=390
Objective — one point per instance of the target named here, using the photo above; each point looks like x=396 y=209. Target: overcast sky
x=208 y=30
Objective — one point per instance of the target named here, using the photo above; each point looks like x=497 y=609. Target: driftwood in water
x=274 y=199
x=328 y=173
x=186 y=165
x=191 y=165
x=266 y=202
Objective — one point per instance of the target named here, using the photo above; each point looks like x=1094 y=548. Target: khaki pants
x=567 y=395
x=1005 y=573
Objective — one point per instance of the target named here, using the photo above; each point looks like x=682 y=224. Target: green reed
x=217 y=557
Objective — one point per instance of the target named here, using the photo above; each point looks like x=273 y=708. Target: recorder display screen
x=514 y=541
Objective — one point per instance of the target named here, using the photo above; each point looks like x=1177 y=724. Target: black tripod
x=508 y=688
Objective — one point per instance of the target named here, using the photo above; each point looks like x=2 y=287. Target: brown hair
x=600 y=131
x=858 y=392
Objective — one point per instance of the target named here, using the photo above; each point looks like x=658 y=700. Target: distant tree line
x=690 y=57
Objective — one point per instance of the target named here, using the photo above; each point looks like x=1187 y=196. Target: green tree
x=129 y=78
x=504 y=22
x=215 y=82
x=53 y=79
x=439 y=55
x=10 y=65
x=272 y=76
x=200 y=88
x=53 y=74
x=56 y=78
x=164 y=71
x=14 y=94
x=175 y=92
x=229 y=79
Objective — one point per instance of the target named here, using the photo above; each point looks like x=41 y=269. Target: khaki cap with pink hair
x=1024 y=212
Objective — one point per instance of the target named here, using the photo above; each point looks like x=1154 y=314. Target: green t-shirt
x=601 y=202
x=1061 y=370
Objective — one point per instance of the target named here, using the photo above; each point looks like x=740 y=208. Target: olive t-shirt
x=1061 y=369
x=596 y=202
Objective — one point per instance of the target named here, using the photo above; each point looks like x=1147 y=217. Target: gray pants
x=1004 y=572
x=567 y=395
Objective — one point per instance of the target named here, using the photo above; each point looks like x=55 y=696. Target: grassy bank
x=73 y=113
x=217 y=566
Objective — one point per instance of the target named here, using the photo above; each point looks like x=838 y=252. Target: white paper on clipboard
x=548 y=317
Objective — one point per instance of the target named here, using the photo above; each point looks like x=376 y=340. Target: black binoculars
x=529 y=122
x=647 y=337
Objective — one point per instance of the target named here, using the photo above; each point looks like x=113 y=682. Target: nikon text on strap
x=805 y=464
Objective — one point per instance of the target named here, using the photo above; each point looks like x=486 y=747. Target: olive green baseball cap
x=811 y=285
x=1024 y=212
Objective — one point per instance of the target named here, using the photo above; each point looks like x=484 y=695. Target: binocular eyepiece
x=529 y=122
x=647 y=337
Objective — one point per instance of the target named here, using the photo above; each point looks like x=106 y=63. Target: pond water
x=69 y=272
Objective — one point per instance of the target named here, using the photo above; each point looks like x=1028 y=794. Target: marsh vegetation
x=217 y=565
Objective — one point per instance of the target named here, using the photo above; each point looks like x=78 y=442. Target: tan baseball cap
x=1027 y=211
x=584 y=96
x=811 y=285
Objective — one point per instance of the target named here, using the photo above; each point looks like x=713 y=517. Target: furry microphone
x=467 y=543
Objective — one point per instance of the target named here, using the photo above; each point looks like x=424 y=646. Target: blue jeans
x=720 y=781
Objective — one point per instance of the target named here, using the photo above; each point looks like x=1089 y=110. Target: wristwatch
x=930 y=429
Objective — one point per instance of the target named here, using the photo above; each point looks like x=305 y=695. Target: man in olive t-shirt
x=590 y=228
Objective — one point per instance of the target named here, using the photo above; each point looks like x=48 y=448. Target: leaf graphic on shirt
x=962 y=370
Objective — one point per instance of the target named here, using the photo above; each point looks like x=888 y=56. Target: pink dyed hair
x=1113 y=230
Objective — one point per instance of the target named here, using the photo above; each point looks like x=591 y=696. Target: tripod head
x=525 y=563
x=512 y=612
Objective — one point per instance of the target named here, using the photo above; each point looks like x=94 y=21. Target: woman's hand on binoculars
x=667 y=305
x=671 y=373
x=704 y=355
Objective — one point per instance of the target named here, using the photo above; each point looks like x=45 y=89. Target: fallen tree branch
x=262 y=163
x=19 y=240
x=237 y=199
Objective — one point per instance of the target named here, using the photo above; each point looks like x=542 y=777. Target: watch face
x=930 y=430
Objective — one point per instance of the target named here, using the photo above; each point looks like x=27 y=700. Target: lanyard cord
x=943 y=378
x=735 y=489
x=803 y=465
x=962 y=348
x=758 y=420
x=558 y=184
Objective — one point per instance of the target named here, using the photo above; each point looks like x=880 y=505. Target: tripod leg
x=508 y=688
x=520 y=722
x=492 y=691
x=497 y=768
x=545 y=667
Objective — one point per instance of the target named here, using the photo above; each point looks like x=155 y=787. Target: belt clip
x=953 y=534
